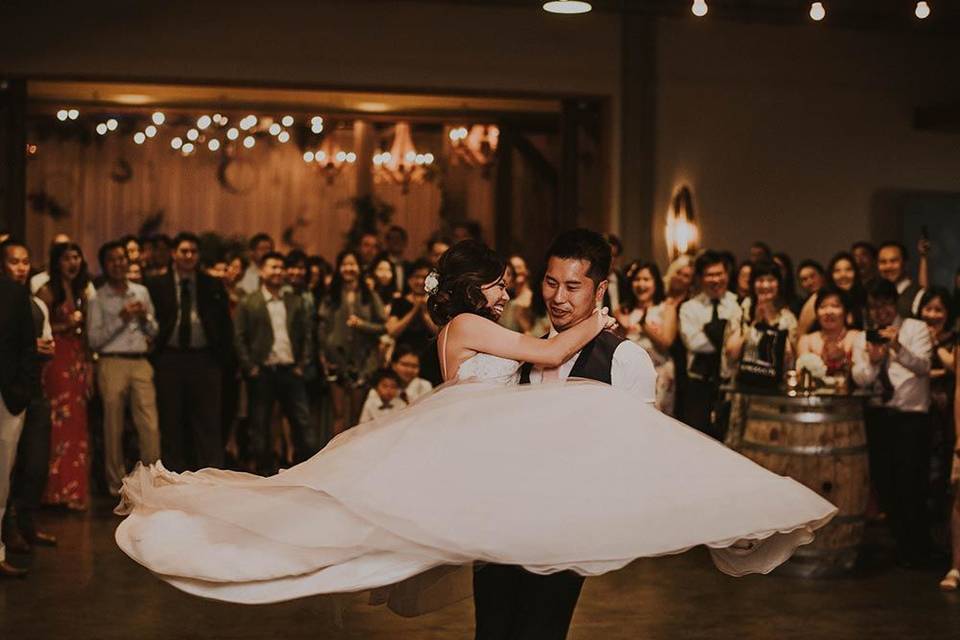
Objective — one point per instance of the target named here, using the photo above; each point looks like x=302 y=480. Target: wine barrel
x=821 y=442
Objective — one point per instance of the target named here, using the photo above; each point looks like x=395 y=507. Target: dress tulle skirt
x=570 y=476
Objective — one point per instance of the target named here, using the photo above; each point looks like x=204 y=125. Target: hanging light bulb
x=204 y=121
x=112 y=124
x=158 y=118
x=139 y=137
x=150 y=131
x=275 y=128
x=817 y=11
x=192 y=135
x=177 y=142
x=287 y=121
x=62 y=115
x=102 y=128
x=699 y=8
x=249 y=141
x=567 y=7
x=73 y=114
x=187 y=149
x=923 y=10
x=233 y=133
x=283 y=136
x=308 y=156
x=214 y=144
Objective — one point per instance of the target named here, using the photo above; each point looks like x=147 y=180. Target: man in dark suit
x=274 y=345
x=194 y=340
x=511 y=602
x=32 y=466
x=19 y=376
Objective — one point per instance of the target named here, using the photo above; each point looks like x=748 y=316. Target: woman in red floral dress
x=66 y=379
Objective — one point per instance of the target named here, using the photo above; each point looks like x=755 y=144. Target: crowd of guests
x=255 y=359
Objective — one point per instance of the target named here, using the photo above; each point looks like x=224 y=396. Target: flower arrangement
x=813 y=364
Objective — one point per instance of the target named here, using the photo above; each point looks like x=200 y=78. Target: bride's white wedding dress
x=574 y=475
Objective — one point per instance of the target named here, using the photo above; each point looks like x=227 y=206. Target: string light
x=203 y=122
x=112 y=124
x=249 y=141
x=699 y=8
x=187 y=148
x=150 y=131
x=192 y=135
x=62 y=115
x=287 y=121
x=316 y=124
x=284 y=136
x=817 y=11
x=139 y=137
x=73 y=114
x=213 y=145
x=922 y=11
x=275 y=128
x=248 y=122
x=308 y=156
x=177 y=142
x=233 y=133
x=102 y=128
x=158 y=118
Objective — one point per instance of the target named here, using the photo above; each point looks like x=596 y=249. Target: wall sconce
x=681 y=230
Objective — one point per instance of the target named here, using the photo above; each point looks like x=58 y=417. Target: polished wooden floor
x=88 y=589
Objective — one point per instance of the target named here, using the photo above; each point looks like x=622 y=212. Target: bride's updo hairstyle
x=462 y=271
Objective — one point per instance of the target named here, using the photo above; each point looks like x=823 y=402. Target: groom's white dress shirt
x=632 y=370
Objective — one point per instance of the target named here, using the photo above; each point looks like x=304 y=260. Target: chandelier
x=402 y=163
x=476 y=146
x=330 y=158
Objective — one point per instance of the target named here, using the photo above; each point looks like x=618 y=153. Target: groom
x=510 y=602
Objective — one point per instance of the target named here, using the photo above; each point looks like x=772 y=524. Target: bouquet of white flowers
x=814 y=364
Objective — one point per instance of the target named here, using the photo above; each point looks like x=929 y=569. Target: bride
x=576 y=476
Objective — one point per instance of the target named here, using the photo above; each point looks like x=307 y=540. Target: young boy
x=385 y=397
x=406 y=362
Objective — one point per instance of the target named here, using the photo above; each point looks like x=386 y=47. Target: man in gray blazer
x=274 y=346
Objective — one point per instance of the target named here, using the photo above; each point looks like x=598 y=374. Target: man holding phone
x=899 y=352
x=120 y=328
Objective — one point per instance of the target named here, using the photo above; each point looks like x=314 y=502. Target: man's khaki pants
x=120 y=379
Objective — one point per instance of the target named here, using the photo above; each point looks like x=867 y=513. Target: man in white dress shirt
x=897 y=363
x=511 y=602
x=120 y=328
x=704 y=322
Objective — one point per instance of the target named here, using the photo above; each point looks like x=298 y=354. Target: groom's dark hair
x=584 y=244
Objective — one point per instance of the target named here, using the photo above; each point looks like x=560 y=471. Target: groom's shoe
x=7 y=570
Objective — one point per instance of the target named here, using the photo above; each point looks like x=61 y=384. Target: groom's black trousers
x=514 y=604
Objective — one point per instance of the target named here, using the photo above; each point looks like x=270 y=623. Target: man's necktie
x=186 y=310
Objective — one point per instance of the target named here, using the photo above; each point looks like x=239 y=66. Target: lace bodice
x=484 y=367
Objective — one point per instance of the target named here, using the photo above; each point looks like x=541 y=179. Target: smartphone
x=874 y=337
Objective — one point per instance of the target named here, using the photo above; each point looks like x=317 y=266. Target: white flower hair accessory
x=432 y=283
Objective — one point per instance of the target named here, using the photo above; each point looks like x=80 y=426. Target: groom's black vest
x=595 y=360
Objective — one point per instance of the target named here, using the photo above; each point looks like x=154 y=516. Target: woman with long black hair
x=66 y=378
x=351 y=320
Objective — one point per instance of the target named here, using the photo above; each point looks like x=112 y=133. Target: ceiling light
x=567 y=7
x=817 y=12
